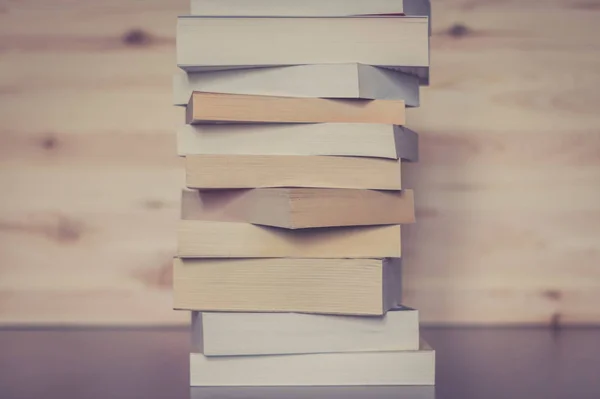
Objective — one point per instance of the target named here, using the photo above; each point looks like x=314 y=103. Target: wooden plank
x=507 y=189
x=87 y=231
x=108 y=150
x=500 y=67
x=70 y=60
x=78 y=268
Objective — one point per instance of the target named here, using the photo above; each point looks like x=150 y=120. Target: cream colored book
x=323 y=80
x=341 y=139
x=198 y=239
x=235 y=334
x=307 y=8
x=300 y=208
x=333 y=392
x=209 y=43
x=218 y=107
x=323 y=369
x=256 y=171
x=327 y=286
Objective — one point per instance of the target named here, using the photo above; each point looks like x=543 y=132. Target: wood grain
x=507 y=189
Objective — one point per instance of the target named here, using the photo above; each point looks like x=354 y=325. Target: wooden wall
x=508 y=187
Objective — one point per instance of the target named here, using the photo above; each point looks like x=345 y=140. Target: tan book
x=308 y=8
x=357 y=81
x=322 y=369
x=256 y=171
x=237 y=334
x=209 y=43
x=219 y=107
x=340 y=139
x=197 y=239
x=327 y=286
x=300 y=208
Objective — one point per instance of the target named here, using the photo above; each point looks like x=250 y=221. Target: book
x=308 y=8
x=323 y=369
x=341 y=139
x=308 y=392
x=326 y=286
x=257 y=171
x=321 y=80
x=209 y=43
x=236 y=334
x=198 y=239
x=218 y=107
x=300 y=208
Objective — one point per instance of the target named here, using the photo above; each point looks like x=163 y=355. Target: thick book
x=326 y=286
x=236 y=334
x=322 y=369
x=307 y=392
x=235 y=108
x=308 y=8
x=323 y=80
x=257 y=171
x=300 y=208
x=212 y=43
x=341 y=139
x=199 y=239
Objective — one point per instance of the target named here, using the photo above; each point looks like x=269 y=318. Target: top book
x=308 y=8
x=213 y=43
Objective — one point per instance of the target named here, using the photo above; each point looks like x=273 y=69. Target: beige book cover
x=198 y=239
x=300 y=208
x=308 y=8
x=208 y=43
x=326 y=286
x=305 y=392
x=348 y=81
x=237 y=334
x=370 y=140
x=242 y=108
x=323 y=369
x=256 y=171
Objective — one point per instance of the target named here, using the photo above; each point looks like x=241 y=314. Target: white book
x=323 y=369
x=332 y=392
x=321 y=80
x=341 y=139
x=308 y=8
x=209 y=43
x=233 y=334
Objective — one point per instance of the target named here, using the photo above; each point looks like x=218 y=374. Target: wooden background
x=508 y=187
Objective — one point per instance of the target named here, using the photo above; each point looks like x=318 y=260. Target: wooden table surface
x=471 y=363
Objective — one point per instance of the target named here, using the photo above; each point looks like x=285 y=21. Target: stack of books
x=289 y=244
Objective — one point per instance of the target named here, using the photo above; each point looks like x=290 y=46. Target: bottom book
x=326 y=369
x=356 y=392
